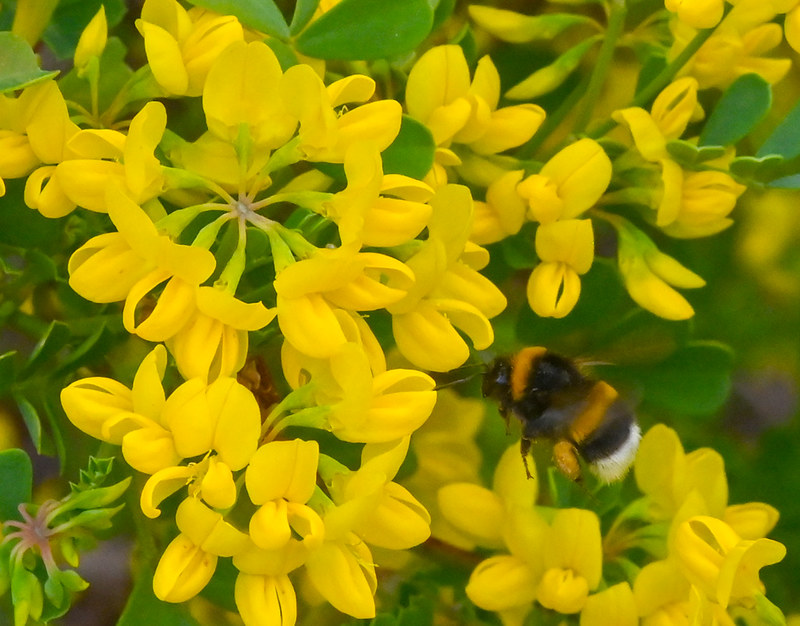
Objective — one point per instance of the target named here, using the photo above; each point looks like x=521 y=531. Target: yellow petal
x=165 y=58
x=225 y=307
x=237 y=421
x=500 y=583
x=345 y=576
x=567 y=241
x=283 y=469
x=266 y=600
x=183 y=570
x=242 y=88
x=475 y=511
x=439 y=77
x=509 y=127
x=310 y=325
x=427 y=339
x=92 y=40
x=161 y=485
x=553 y=289
x=615 y=605
x=582 y=172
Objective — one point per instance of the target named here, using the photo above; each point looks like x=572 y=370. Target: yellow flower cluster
x=277 y=225
x=686 y=554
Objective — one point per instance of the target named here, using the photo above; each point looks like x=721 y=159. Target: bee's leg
x=565 y=457
x=504 y=415
x=525 y=448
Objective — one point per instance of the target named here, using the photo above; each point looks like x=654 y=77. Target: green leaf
x=787 y=182
x=695 y=380
x=741 y=107
x=54 y=338
x=114 y=73
x=411 y=153
x=18 y=66
x=686 y=153
x=262 y=15
x=759 y=169
x=16 y=476
x=785 y=139
x=552 y=76
x=303 y=12
x=367 y=29
x=768 y=614
x=518 y=28
x=94 y=346
x=144 y=608
x=32 y=421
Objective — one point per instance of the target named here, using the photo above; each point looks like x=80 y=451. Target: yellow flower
x=35 y=129
x=342 y=571
x=439 y=94
x=615 y=605
x=129 y=264
x=662 y=594
x=102 y=158
x=380 y=511
x=364 y=405
x=213 y=342
x=182 y=45
x=722 y=564
x=566 y=250
x=191 y=558
x=280 y=479
x=92 y=40
x=376 y=209
x=446 y=452
x=312 y=291
x=503 y=213
x=667 y=475
x=326 y=136
x=737 y=47
x=244 y=88
x=132 y=418
x=704 y=204
x=697 y=14
x=265 y=600
x=501 y=517
x=649 y=273
x=573 y=560
x=448 y=292
x=568 y=184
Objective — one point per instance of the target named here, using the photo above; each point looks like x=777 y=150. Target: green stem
x=663 y=78
x=552 y=122
x=616 y=24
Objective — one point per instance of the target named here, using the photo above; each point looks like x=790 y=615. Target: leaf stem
x=616 y=24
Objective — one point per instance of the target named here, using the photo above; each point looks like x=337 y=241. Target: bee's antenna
x=458 y=381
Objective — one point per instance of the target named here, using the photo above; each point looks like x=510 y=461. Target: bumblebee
x=554 y=400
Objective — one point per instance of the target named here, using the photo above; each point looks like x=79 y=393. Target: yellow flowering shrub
x=244 y=247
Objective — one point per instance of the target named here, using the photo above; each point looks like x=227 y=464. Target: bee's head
x=497 y=379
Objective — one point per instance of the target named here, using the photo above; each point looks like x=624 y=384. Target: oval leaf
x=695 y=380
x=16 y=476
x=741 y=107
x=303 y=12
x=54 y=338
x=411 y=153
x=262 y=15
x=367 y=29
x=785 y=139
x=18 y=66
